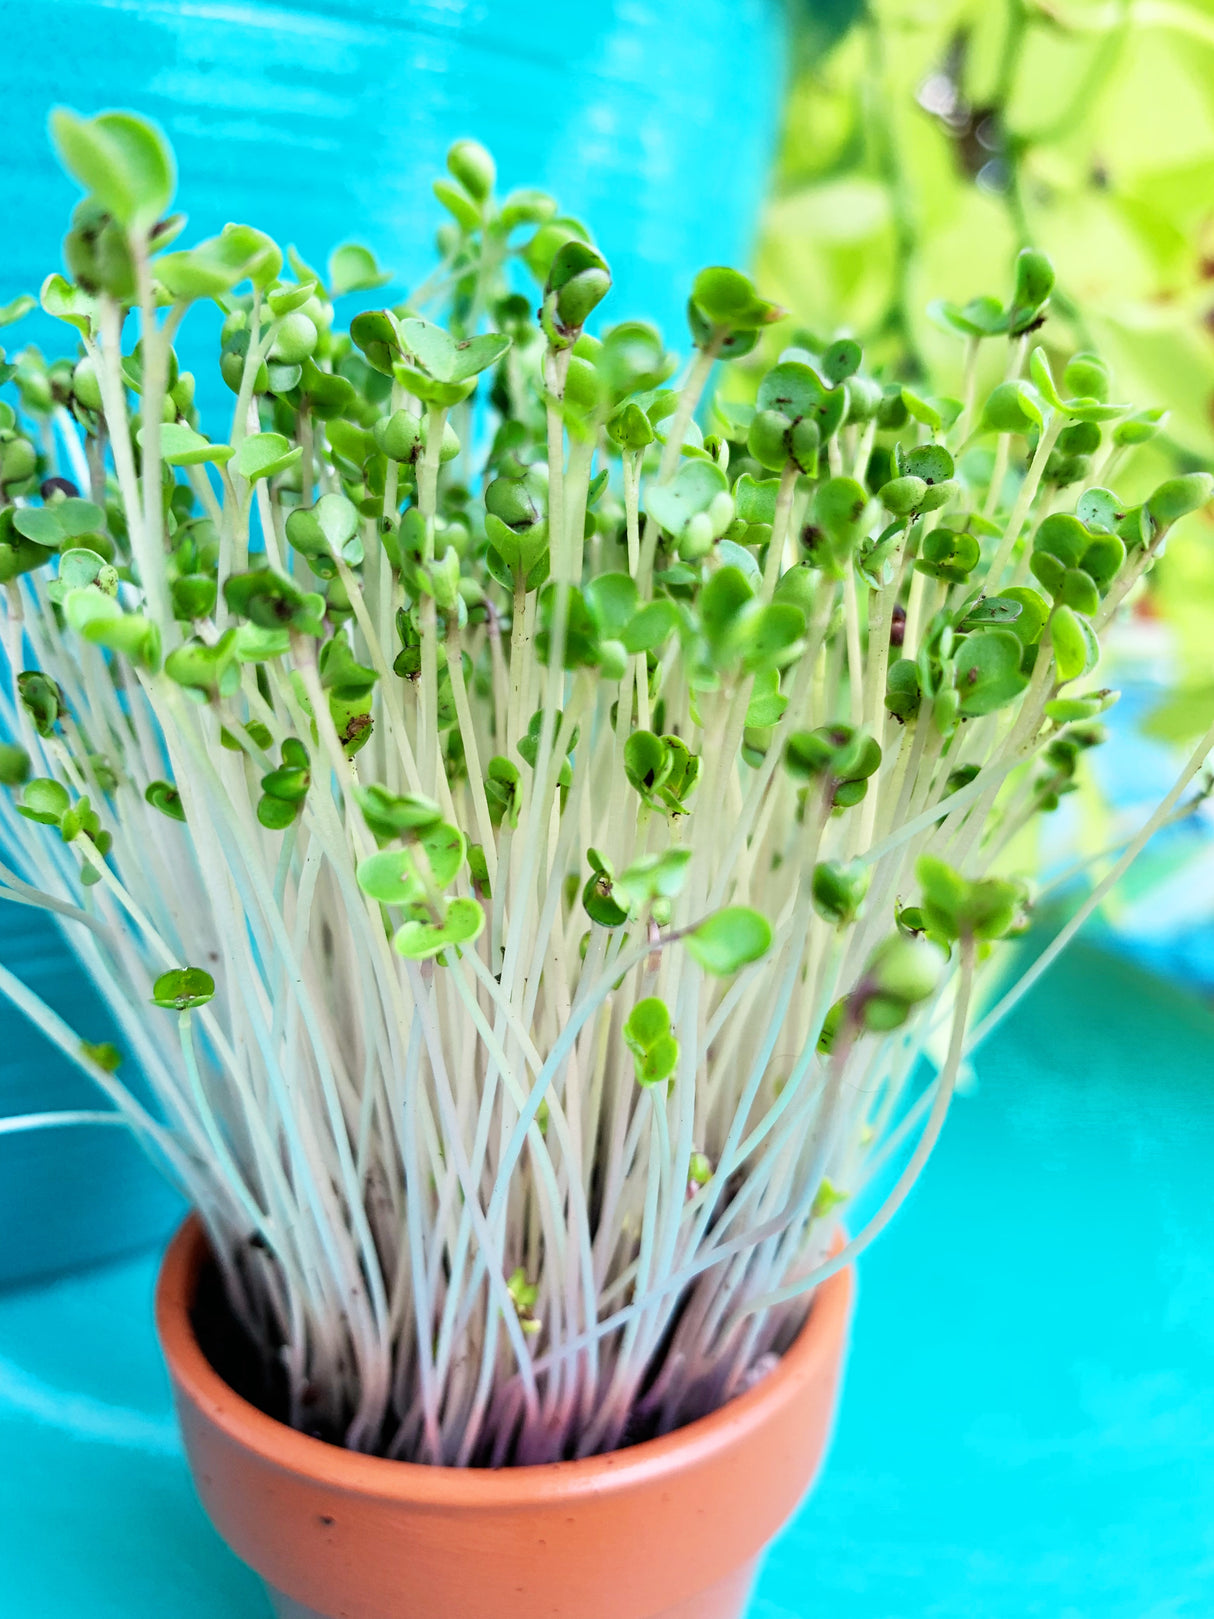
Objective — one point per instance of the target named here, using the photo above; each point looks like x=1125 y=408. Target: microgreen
x=558 y=826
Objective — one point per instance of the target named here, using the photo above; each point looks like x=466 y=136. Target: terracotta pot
x=669 y=1529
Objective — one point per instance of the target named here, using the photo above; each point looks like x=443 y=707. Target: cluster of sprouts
x=529 y=818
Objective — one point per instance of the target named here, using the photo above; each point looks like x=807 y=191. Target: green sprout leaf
x=121 y=160
x=447 y=359
x=181 y=446
x=839 y=888
x=653 y=877
x=421 y=937
x=957 y=908
x=655 y=1051
x=14 y=765
x=163 y=796
x=16 y=309
x=213 y=268
x=988 y=671
x=44 y=800
x=729 y=940
x=352 y=268
x=68 y=303
x=1013 y=407
x=689 y=494
x=183 y=988
x=264 y=455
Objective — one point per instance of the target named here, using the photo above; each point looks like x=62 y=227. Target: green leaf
x=650 y=626
x=352 y=268
x=41 y=699
x=1179 y=496
x=691 y=491
x=328 y=530
x=839 y=888
x=183 y=988
x=988 y=610
x=931 y=462
x=903 y=971
x=578 y=280
x=44 y=800
x=120 y=159
x=838 y=509
x=213 y=268
x=342 y=674
x=14 y=765
x=729 y=940
x=612 y=599
x=842 y=359
x=67 y=303
x=767 y=702
x=461 y=208
x=1034 y=612
x=597 y=895
x=647 y=763
x=16 y=309
x=648 y=1022
x=1034 y=283
x=647 y=1035
x=1140 y=428
x=727 y=299
x=791 y=389
x=163 y=796
x=955 y=907
x=390 y=877
x=981 y=317
x=988 y=671
x=273 y=601
x=447 y=359
x=377 y=334
x=1012 y=407
x=655 y=876
x=445 y=847
x=503 y=790
x=948 y=555
x=181 y=446
x=421 y=937
x=389 y=815
x=100 y=619
x=1099 y=510
x=39 y=523
x=263 y=455
x=923 y=410
x=211 y=671
x=755 y=499
x=1039 y=368
x=285 y=298
x=1075 y=647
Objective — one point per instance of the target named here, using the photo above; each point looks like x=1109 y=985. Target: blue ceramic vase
x=321 y=121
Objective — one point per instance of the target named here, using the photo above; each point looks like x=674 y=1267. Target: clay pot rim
x=423 y=1485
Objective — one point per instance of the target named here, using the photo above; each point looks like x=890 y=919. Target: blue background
x=1027 y=1424
x=323 y=120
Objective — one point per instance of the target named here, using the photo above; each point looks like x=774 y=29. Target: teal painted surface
x=319 y=120
x=68 y=1196
x=322 y=120
x=1028 y=1421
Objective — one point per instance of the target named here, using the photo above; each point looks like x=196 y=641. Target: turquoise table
x=1028 y=1423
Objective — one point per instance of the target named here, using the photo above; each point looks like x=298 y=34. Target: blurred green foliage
x=930 y=140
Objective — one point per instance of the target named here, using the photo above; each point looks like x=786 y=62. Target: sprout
x=580 y=797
